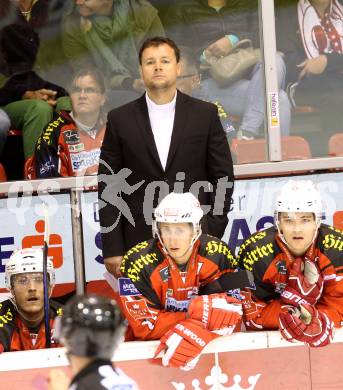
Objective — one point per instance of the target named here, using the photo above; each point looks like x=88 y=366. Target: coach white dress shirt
x=162 y=121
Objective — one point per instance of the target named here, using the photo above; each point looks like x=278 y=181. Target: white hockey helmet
x=299 y=196
x=178 y=208
x=27 y=260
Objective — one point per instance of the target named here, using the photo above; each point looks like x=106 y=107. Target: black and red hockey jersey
x=16 y=336
x=155 y=292
x=262 y=253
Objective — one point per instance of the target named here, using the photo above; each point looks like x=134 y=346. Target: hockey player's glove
x=216 y=312
x=307 y=325
x=304 y=285
x=182 y=345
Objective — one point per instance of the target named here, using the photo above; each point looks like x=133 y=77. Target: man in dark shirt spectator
x=45 y=17
x=27 y=99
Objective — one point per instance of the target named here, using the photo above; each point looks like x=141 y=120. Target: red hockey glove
x=307 y=325
x=304 y=285
x=182 y=345
x=216 y=311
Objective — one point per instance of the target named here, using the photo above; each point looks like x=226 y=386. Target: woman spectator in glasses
x=70 y=144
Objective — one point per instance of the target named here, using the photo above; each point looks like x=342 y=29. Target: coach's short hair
x=158 y=41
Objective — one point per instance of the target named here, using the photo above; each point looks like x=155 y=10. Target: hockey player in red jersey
x=298 y=270
x=165 y=291
x=22 y=316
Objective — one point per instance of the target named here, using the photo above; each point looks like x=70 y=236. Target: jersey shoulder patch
x=330 y=243
x=7 y=323
x=7 y=313
x=259 y=247
x=214 y=250
x=141 y=260
x=55 y=308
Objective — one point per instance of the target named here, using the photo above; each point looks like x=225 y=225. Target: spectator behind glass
x=5 y=124
x=35 y=13
x=70 y=144
x=27 y=99
x=162 y=7
x=106 y=34
x=309 y=33
x=189 y=82
x=45 y=17
x=214 y=28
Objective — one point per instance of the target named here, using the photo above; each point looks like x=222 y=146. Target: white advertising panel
x=94 y=263
x=22 y=225
x=22 y=221
x=251 y=209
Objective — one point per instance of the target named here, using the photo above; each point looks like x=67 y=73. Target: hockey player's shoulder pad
x=214 y=250
x=258 y=250
x=7 y=323
x=330 y=243
x=7 y=312
x=140 y=261
x=55 y=308
x=137 y=266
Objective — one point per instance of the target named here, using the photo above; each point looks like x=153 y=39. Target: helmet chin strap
x=12 y=299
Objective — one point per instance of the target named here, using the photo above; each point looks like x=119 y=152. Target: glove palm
x=307 y=325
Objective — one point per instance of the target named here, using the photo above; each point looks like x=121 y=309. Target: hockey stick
x=45 y=277
x=229 y=281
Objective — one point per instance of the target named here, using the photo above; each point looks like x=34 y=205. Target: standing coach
x=164 y=139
